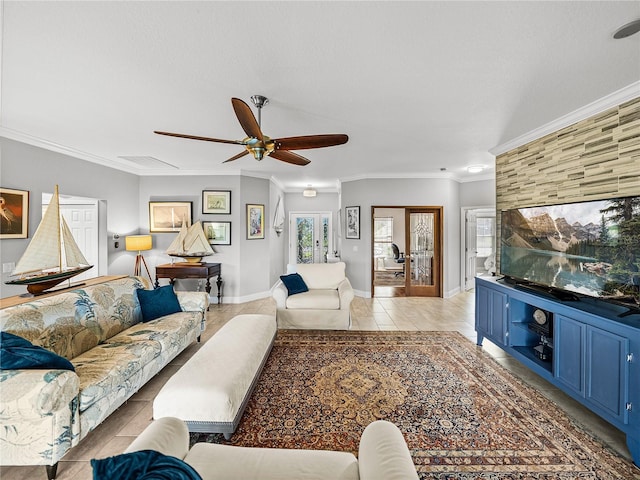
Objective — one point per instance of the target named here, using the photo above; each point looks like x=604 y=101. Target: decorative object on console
x=191 y=244
x=255 y=222
x=217 y=233
x=43 y=264
x=14 y=213
x=168 y=217
x=216 y=202
x=139 y=243
x=353 y=222
x=259 y=145
x=278 y=219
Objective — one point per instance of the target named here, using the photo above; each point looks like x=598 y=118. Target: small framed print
x=14 y=213
x=353 y=222
x=216 y=201
x=167 y=217
x=255 y=221
x=218 y=233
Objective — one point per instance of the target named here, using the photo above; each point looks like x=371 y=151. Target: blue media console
x=587 y=348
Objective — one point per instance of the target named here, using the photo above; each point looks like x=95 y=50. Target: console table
x=593 y=348
x=191 y=270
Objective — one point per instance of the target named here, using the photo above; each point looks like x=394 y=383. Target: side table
x=191 y=270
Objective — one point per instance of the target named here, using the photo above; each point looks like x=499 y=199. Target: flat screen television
x=589 y=248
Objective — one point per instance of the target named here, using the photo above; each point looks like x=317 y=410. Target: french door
x=423 y=241
x=310 y=237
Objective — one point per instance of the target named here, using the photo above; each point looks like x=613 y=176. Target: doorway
x=310 y=237
x=478 y=244
x=406 y=251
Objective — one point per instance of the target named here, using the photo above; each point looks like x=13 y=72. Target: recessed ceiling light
x=627 y=30
x=475 y=168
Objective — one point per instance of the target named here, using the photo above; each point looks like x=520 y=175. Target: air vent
x=147 y=162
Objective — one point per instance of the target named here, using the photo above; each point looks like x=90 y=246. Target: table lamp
x=139 y=243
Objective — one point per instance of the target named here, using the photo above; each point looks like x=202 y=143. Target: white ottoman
x=211 y=390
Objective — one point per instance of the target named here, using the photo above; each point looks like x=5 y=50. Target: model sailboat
x=52 y=256
x=190 y=244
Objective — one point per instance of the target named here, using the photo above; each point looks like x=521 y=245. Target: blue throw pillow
x=17 y=353
x=158 y=303
x=294 y=283
x=143 y=465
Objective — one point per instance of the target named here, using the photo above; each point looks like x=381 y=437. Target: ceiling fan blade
x=235 y=157
x=289 y=157
x=246 y=118
x=195 y=137
x=310 y=141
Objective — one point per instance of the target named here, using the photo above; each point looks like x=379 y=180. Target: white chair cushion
x=322 y=275
x=225 y=462
x=315 y=300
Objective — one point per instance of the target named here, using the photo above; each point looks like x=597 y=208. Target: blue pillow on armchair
x=294 y=283
x=17 y=353
x=143 y=465
x=158 y=303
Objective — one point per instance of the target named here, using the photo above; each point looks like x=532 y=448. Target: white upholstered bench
x=211 y=390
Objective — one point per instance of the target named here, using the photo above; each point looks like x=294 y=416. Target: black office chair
x=398 y=258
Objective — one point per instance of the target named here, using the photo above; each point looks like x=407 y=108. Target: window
x=485 y=236
x=382 y=236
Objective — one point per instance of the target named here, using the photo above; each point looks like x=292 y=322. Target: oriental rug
x=462 y=414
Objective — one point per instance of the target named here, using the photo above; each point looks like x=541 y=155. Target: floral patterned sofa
x=99 y=328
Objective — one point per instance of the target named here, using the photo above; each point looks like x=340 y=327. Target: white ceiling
x=417 y=86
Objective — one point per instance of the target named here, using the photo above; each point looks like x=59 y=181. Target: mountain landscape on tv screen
x=589 y=247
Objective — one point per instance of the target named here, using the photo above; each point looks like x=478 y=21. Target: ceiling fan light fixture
x=309 y=192
x=475 y=168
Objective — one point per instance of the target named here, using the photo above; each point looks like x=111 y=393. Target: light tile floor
x=398 y=313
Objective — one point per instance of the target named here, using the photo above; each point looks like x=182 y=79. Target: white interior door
x=471 y=251
x=82 y=220
x=310 y=237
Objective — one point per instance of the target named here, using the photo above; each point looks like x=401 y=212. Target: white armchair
x=325 y=306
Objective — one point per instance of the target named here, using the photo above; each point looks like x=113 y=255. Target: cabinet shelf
x=528 y=353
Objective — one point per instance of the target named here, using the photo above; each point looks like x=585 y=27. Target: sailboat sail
x=73 y=257
x=190 y=242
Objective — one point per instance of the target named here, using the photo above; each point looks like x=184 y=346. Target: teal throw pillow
x=294 y=283
x=158 y=303
x=17 y=353
x=143 y=465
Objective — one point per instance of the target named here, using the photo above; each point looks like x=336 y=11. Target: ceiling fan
x=260 y=145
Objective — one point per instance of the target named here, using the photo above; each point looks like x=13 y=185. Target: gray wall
x=249 y=267
x=37 y=170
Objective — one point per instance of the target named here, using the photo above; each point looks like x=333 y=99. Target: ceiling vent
x=147 y=162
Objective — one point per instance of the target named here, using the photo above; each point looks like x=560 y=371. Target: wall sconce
x=309 y=192
x=139 y=243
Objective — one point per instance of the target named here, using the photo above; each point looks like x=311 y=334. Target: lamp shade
x=136 y=243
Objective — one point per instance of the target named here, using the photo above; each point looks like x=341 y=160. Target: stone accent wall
x=596 y=158
x=593 y=159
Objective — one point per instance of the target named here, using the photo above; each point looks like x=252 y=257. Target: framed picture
x=353 y=222
x=216 y=201
x=166 y=217
x=218 y=233
x=255 y=221
x=14 y=213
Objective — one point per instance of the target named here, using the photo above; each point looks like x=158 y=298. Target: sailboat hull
x=37 y=285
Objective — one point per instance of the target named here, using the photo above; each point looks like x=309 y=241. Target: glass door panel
x=423 y=266
x=310 y=237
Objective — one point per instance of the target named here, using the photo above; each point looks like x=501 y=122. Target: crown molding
x=612 y=100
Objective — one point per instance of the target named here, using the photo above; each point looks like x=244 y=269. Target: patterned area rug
x=463 y=415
